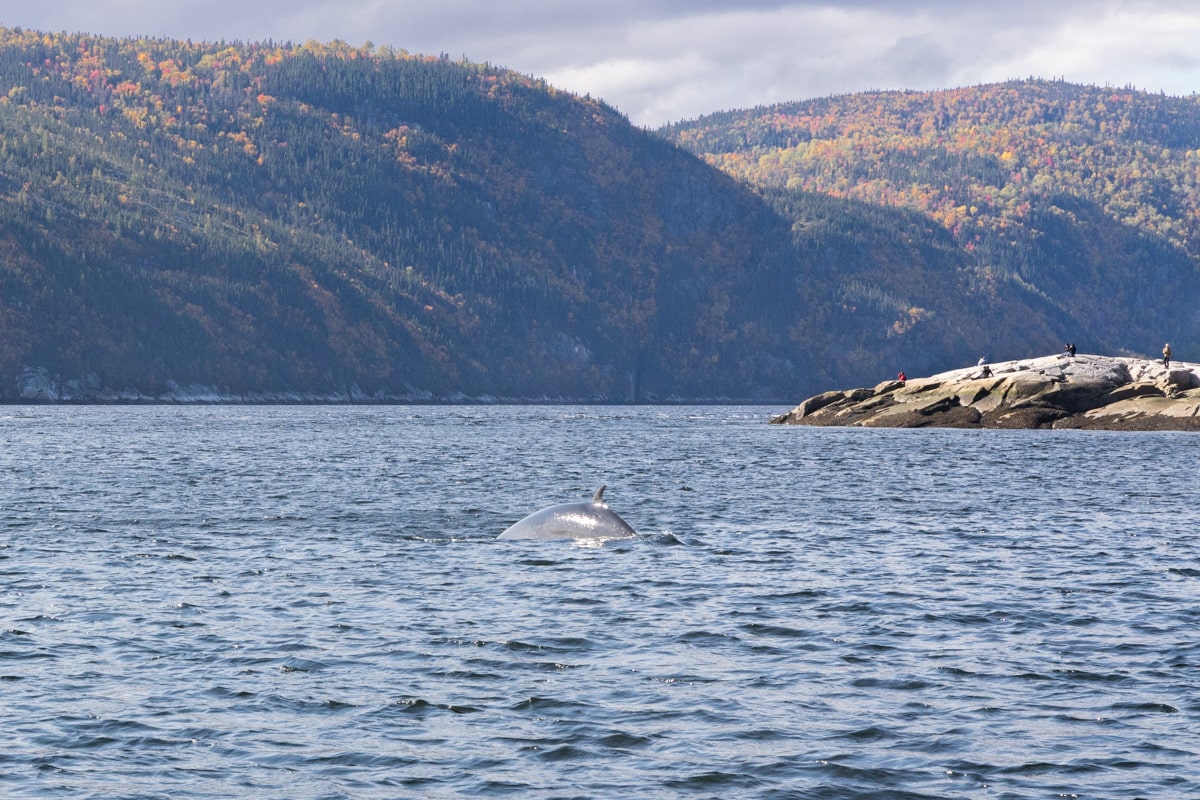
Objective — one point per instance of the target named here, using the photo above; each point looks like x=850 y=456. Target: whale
x=583 y=521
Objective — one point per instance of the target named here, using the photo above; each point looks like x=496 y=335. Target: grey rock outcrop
x=1083 y=391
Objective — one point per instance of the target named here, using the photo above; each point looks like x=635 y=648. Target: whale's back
x=594 y=520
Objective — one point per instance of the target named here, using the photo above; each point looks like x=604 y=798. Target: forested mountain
x=322 y=219
x=1088 y=197
x=329 y=221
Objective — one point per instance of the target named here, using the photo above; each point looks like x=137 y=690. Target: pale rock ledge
x=1082 y=391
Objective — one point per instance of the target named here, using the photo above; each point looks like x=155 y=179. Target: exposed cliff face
x=1084 y=391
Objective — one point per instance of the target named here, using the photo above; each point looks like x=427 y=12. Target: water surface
x=309 y=602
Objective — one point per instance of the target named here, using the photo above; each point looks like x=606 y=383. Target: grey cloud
x=662 y=60
x=917 y=61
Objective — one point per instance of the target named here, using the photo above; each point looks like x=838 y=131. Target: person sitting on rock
x=900 y=376
x=1167 y=355
x=1069 y=347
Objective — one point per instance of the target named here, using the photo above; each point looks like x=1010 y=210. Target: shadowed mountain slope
x=262 y=221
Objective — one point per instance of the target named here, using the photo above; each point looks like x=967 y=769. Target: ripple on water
x=310 y=602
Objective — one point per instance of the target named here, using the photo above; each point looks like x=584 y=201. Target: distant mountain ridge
x=1089 y=197
x=281 y=222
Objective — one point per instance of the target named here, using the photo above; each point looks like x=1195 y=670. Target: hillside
x=324 y=220
x=1087 y=197
x=275 y=222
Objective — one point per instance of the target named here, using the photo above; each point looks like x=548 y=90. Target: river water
x=309 y=602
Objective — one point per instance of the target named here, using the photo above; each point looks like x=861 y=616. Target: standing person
x=1167 y=354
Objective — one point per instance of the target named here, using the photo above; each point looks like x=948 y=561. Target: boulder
x=1086 y=391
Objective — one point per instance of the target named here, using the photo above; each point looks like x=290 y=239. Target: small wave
x=781 y=631
x=543 y=704
x=562 y=752
x=1086 y=676
x=302 y=665
x=1148 y=708
x=705 y=637
x=895 y=684
x=625 y=741
x=420 y=706
x=715 y=779
x=872 y=733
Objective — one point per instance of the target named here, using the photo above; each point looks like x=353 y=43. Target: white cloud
x=1150 y=50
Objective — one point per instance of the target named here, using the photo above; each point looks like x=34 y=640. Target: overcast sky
x=660 y=61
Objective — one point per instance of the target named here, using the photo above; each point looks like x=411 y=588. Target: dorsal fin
x=599 y=497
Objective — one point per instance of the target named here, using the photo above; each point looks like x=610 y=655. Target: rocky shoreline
x=1060 y=391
